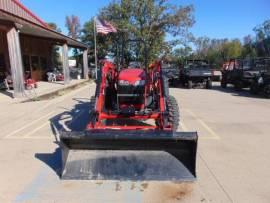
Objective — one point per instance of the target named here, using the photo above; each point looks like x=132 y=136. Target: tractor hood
x=132 y=75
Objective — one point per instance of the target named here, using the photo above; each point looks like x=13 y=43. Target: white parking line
x=30 y=138
x=183 y=126
x=28 y=135
x=212 y=134
x=28 y=125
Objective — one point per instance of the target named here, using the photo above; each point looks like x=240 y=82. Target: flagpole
x=95 y=39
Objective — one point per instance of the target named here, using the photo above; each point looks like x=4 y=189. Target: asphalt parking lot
x=232 y=161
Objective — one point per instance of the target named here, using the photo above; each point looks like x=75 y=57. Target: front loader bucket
x=129 y=155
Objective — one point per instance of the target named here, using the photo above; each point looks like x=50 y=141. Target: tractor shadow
x=108 y=165
x=239 y=93
x=75 y=119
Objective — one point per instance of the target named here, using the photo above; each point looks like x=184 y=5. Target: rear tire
x=223 y=84
x=190 y=84
x=238 y=85
x=174 y=83
x=254 y=89
x=209 y=84
x=266 y=91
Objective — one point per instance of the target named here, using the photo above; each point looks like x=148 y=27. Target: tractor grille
x=130 y=89
x=130 y=94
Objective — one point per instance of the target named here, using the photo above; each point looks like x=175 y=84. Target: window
x=34 y=63
x=43 y=63
x=2 y=62
x=2 y=67
x=26 y=63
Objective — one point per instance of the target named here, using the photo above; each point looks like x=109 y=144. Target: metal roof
x=28 y=23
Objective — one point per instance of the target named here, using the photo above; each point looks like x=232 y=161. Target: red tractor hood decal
x=132 y=75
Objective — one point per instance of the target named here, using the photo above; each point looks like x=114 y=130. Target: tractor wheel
x=223 y=83
x=173 y=109
x=254 y=89
x=190 y=84
x=175 y=83
x=209 y=84
x=238 y=85
x=266 y=91
x=166 y=86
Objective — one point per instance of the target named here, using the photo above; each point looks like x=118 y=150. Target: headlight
x=123 y=82
x=139 y=83
x=260 y=80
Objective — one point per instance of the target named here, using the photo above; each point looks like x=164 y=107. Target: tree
x=248 y=49
x=56 y=57
x=148 y=21
x=179 y=55
x=263 y=38
x=73 y=25
x=54 y=27
x=202 y=46
x=216 y=51
x=232 y=49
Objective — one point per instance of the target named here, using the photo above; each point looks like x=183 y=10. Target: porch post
x=65 y=64
x=85 y=64
x=15 y=58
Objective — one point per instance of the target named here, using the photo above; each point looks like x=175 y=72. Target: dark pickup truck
x=261 y=83
x=172 y=73
x=196 y=72
x=242 y=72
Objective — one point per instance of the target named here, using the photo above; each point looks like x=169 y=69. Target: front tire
x=209 y=84
x=190 y=84
x=254 y=89
x=223 y=83
x=238 y=85
x=266 y=91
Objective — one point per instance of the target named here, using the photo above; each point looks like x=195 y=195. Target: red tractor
x=133 y=111
x=134 y=94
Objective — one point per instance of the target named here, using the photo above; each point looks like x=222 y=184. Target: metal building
x=26 y=43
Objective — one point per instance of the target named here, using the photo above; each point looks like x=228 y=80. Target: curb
x=58 y=93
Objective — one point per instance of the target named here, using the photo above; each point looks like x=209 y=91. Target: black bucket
x=129 y=155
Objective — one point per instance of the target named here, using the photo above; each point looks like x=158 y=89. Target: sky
x=214 y=18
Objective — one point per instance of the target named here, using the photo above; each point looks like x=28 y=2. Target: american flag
x=104 y=27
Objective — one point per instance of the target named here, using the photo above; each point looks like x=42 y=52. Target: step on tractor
x=134 y=116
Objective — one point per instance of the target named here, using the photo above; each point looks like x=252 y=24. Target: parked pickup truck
x=261 y=83
x=242 y=72
x=196 y=72
x=172 y=73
